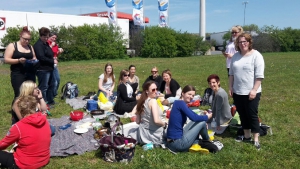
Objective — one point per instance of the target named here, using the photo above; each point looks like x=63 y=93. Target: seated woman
x=179 y=138
x=28 y=88
x=155 y=77
x=127 y=98
x=171 y=87
x=32 y=135
x=107 y=81
x=133 y=78
x=148 y=115
x=220 y=104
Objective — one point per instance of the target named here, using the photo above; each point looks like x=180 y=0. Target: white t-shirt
x=129 y=90
x=108 y=84
x=230 y=48
x=245 y=70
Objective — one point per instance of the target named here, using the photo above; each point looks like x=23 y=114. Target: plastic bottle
x=213 y=124
x=65 y=126
x=148 y=146
x=97 y=125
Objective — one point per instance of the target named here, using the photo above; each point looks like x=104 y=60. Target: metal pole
x=245 y=3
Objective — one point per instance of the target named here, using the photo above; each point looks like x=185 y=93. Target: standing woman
x=246 y=74
x=171 y=87
x=127 y=98
x=45 y=71
x=220 y=104
x=106 y=83
x=133 y=78
x=230 y=47
x=149 y=116
x=56 y=51
x=179 y=138
x=16 y=55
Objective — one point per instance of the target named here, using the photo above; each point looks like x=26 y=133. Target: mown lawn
x=279 y=107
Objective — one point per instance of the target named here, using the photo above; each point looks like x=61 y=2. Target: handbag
x=116 y=147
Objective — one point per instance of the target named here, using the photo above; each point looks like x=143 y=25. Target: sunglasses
x=126 y=75
x=154 y=71
x=235 y=32
x=153 y=90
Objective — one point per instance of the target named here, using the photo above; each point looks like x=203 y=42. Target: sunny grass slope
x=278 y=108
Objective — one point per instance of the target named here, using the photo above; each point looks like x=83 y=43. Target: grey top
x=220 y=107
x=148 y=131
x=135 y=80
x=245 y=70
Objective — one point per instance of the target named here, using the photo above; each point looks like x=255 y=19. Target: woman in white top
x=133 y=78
x=246 y=74
x=230 y=47
x=107 y=81
x=127 y=98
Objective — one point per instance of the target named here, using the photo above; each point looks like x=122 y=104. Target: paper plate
x=81 y=130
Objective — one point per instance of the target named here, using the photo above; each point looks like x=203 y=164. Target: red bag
x=194 y=104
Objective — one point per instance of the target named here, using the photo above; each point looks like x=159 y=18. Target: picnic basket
x=116 y=147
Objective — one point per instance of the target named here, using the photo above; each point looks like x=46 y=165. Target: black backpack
x=69 y=90
x=207 y=97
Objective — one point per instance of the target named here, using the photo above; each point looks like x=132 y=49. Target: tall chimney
x=202 y=19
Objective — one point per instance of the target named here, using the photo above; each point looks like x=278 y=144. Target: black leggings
x=7 y=160
x=248 y=111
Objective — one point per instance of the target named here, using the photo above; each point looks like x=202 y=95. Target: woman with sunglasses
x=127 y=97
x=230 y=47
x=179 y=138
x=16 y=55
x=155 y=77
x=148 y=116
x=246 y=74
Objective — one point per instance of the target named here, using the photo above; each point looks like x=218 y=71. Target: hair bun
x=25 y=28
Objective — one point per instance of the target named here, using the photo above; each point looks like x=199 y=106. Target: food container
x=76 y=115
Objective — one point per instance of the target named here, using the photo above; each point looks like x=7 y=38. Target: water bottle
x=213 y=124
x=148 y=146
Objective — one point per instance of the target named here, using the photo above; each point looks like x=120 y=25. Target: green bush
x=82 y=42
x=159 y=42
x=185 y=44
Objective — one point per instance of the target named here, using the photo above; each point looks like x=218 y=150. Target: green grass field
x=279 y=107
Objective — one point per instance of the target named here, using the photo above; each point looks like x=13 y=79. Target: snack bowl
x=76 y=115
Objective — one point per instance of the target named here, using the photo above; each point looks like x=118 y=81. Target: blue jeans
x=190 y=136
x=46 y=84
x=56 y=80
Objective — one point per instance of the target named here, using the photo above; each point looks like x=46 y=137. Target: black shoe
x=242 y=138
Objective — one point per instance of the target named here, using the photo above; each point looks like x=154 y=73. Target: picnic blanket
x=76 y=103
x=66 y=142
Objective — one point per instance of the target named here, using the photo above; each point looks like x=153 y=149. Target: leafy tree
x=185 y=44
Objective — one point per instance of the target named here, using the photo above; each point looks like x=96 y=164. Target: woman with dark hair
x=246 y=74
x=220 y=104
x=230 y=47
x=148 y=116
x=56 y=51
x=171 y=88
x=32 y=135
x=107 y=81
x=127 y=98
x=16 y=54
x=179 y=138
x=44 y=73
x=133 y=78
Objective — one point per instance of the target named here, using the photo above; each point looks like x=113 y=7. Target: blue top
x=178 y=117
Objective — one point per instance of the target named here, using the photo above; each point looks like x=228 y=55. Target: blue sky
x=221 y=15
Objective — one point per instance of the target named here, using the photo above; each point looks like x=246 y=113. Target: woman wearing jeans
x=179 y=138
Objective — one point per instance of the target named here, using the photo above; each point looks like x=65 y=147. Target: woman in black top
x=44 y=73
x=127 y=98
x=171 y=88
x=16 y=55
